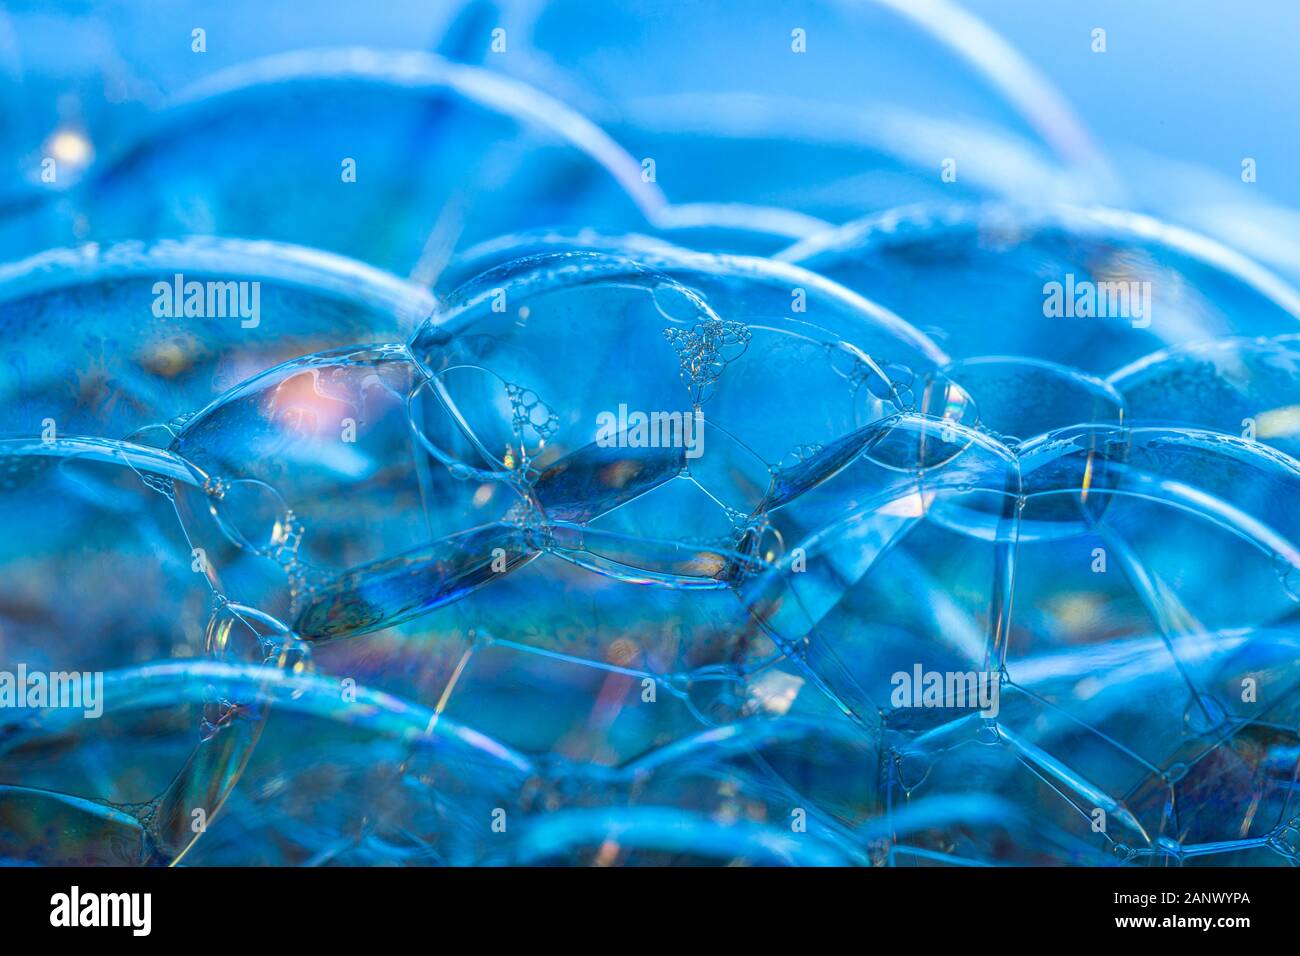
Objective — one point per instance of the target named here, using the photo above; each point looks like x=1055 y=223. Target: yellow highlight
x=1278 y=423
x=69 y=148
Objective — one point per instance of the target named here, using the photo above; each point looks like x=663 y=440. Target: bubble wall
x=507 y=433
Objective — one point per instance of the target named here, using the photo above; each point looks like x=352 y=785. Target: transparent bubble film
x=589 y=434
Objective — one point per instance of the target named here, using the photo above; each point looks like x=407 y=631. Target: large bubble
x=568 y=434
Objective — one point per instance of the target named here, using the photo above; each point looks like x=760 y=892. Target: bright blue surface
x=649 y=434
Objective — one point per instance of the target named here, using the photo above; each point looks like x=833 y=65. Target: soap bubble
x=121 y=339
x=323 y=149
x=1239 y=386
x=660 y=442
x=1091 y=288
x=121 y=765
x=831 y=113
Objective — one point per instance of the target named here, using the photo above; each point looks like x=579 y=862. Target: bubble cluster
x=497 y=506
